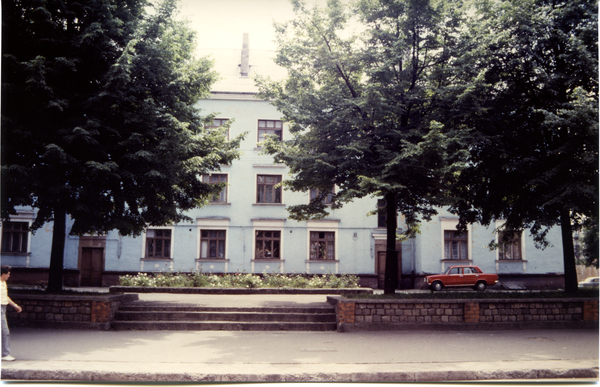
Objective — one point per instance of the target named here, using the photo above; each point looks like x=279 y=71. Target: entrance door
x=91 y=266
x=381 y=269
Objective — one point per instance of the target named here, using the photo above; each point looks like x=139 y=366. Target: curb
x=415 y=372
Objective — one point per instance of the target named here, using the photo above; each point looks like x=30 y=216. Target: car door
x=454 y=277
x=470 y=276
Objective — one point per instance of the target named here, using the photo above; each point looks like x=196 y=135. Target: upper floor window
x=15 y=236
x=158 y=243
x=267 y=189
x=269 y=127
x=455 y=245
x=322 y=245
x=218 y=122
x=214 y=179
x=267 y=244
x=212 y=244
x=510 y=246
x=314 y=193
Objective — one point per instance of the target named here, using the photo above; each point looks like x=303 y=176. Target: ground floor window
x=212 y=244
x=14 y=237
x=158 y=243
x=510 y=246
x=268 y=244
x=322 y=245
x=455 y=245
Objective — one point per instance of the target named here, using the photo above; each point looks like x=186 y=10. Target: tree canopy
x=532 y=79
x=364 y=109
x=98 y=117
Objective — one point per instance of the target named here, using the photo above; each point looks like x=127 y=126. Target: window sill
x=322 y=260
x=512 y=260
x=268 y=260
x=269 y=204
x=459 y=261
x=219 y=204
x=157 y=259
x=212 y=259
x=14 y=254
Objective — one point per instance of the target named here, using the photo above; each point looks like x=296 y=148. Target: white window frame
x=23 y=217
x=226 y=188
x=256 y=202
x=515 y=262
x=323 y=225
x=212 y=224
x=449 y=224
x=268 y=225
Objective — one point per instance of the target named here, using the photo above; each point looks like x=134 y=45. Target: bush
x=239 y=280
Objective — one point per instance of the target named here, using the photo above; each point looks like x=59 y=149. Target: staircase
x=157 y=316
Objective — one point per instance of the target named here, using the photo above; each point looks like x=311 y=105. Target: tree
x=365 y=112
x=532 y=79
x=98 y=118
x=590 y=241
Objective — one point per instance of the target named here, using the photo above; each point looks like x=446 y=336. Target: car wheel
x=437 y=286
x=480 y=286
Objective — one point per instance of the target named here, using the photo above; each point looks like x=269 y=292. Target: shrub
x=239 y=280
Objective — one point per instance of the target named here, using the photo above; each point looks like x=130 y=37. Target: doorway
x=380 y=269
x=91 y=266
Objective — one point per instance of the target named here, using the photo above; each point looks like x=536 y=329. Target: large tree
x=98 y=117
x=531 y=77
x=365 y=111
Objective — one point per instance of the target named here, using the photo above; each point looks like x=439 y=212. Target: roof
x=228 y=63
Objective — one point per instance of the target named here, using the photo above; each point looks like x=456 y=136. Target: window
x=510 y=246
x=14 y=237
x=214 y=179
x=212 y=244
x=322 y=245
x=218 y=122
x=158 y=243
x=314 y=192
x=455 y=245
x=267 y=244
x=266 y=190
x=269 y=127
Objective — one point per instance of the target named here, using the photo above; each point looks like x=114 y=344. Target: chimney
x=245 y=67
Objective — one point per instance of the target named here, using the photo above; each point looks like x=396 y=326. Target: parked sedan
x=590 y=283
x=461 y=275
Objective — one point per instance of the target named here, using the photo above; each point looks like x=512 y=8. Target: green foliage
x=530 y=103
x=240 y=280
x=99 y=119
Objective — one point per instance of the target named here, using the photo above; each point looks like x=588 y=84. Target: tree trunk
x=568 y=252
x=390 y=283
x=55 y=275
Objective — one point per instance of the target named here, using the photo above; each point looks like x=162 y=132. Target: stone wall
x=382 y=314
x=66 y=311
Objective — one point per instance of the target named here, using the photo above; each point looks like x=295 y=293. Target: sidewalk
x=282 y=356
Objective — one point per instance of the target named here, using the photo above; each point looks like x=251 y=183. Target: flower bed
x=240 y=280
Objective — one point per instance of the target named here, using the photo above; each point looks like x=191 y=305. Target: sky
x=221 y=23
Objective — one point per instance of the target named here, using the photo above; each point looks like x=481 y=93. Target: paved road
x=283 y=356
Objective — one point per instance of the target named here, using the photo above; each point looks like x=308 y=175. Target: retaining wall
x=396 y=314
x=66 y=311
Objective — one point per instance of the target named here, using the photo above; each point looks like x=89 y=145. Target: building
x=245 y=229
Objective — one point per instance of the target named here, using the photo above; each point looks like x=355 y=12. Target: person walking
x=5 y=301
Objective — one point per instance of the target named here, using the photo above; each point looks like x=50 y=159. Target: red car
x=462 y=275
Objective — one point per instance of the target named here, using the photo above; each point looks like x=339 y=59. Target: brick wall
x=66 y=311
x=359 y=314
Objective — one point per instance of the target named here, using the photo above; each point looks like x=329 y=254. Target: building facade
x=245 y=229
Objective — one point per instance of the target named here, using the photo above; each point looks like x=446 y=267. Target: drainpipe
x=245 y=66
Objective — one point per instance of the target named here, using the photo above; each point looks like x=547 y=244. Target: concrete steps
x=152 y=316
